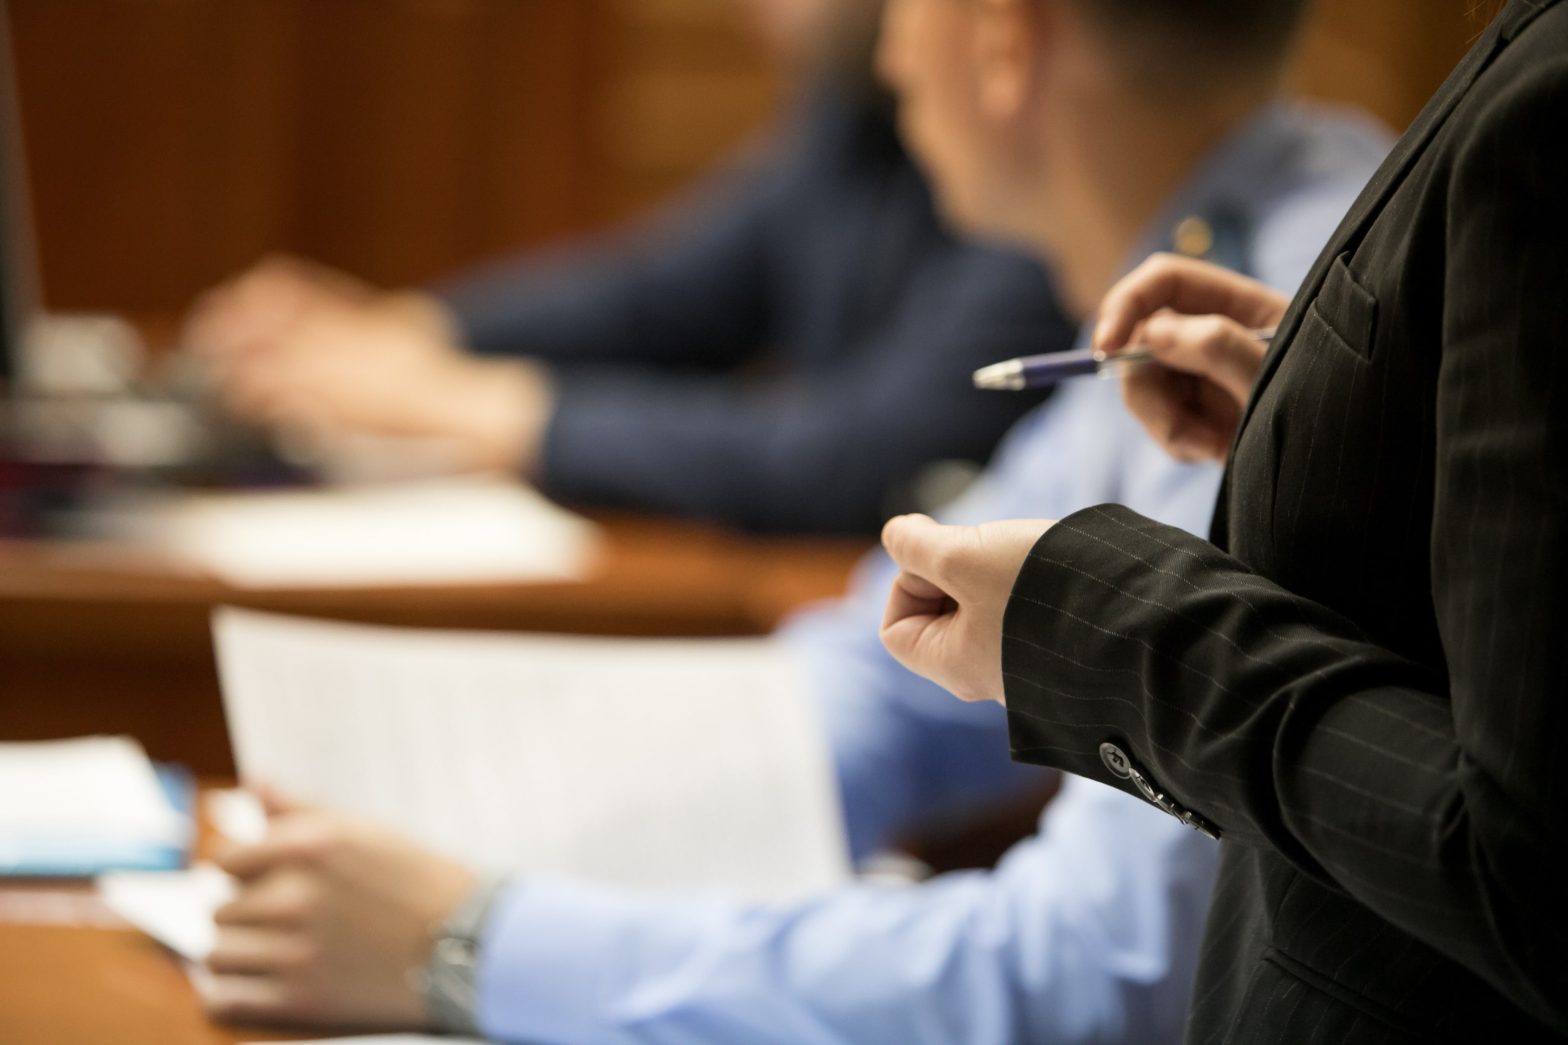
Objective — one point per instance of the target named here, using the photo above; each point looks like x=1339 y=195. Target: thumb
x=924 y=548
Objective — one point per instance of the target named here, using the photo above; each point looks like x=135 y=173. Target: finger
x=253 y=395
x=1162 y=400
x=254 y=951
x=280 y=900
x=291 y=840
x=926 y=549
x=1170 y=406
x=913 y=596
x=1186 y=285
x=244 y=999
x=912 y=625
x=247 y=862
x=1213 y=346
x=248 y=314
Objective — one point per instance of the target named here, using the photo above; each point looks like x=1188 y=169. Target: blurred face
x=953 y=66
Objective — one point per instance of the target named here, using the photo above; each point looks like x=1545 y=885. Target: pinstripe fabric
x=1365 y=691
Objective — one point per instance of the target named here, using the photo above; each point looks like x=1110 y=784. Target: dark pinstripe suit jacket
x=1365 y=694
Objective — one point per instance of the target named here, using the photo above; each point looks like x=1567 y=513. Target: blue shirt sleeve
x=1070 y=939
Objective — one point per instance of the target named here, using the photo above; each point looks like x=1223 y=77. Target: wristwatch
x=448 y=978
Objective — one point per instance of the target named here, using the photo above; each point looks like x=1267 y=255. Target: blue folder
x=65 y=856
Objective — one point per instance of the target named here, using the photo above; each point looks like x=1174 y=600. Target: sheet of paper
x=236 y=815
x=173 y=907
x=176 y=907
x=449 y=531
x=649 y=763
x=94 y=789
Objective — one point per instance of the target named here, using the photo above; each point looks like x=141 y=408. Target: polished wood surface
x=90 y=986
x=106 y=639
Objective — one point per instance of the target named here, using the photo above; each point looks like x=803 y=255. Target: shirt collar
x=1209 y=215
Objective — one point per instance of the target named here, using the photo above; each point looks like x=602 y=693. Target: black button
x=1116 y=760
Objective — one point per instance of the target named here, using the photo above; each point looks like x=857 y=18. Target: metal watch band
x=449 y=977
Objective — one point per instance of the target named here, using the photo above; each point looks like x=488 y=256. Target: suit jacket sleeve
x=1435 y=795
x=687 y=288
x=819 y=452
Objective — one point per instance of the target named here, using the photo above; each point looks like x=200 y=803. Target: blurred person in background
x=1033 y=115
x=769 y=353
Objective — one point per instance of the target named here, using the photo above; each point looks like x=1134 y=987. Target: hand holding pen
x=1206 y=327
x=1016 y=375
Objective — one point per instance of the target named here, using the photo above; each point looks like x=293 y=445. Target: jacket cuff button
x=1116 y=760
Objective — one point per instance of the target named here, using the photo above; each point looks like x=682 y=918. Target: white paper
x=236 y=815
x=649 y=763
x=173 y=907
x=451 y=531
x=93 y=788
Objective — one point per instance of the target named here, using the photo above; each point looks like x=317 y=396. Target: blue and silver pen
x=1015 y=375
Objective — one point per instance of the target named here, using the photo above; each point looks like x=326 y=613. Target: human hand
x=330 y=916
x=1197 y=319
x=249 y=312
x=327 y=360
x=944 y=616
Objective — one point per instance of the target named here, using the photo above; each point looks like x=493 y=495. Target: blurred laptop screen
x=16 y=269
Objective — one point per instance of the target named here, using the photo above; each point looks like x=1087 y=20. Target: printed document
x=659 y=764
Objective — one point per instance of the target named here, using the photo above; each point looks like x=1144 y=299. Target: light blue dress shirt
x=1088 y=930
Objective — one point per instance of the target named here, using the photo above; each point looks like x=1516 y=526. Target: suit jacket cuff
x=1073 y=661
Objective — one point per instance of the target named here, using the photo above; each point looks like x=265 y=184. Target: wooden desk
x=104 y=639
x=96 y=981
x=86 y=986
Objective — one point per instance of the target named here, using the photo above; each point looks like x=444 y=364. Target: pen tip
x=1000 y=377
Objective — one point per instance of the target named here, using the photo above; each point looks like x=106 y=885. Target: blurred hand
x=250 y=311
x=1197 y=319
x=944 y=617
x=330 y=916
x=311 y=351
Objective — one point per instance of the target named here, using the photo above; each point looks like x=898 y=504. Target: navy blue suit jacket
x=787 y=352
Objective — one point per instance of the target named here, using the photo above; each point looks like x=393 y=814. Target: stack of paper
x=77 y=807
x=176 y=907
x=647 y=763
x=452 y=531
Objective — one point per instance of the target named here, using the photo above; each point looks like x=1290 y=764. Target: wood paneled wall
x=173 y=141
x=1388 y=56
